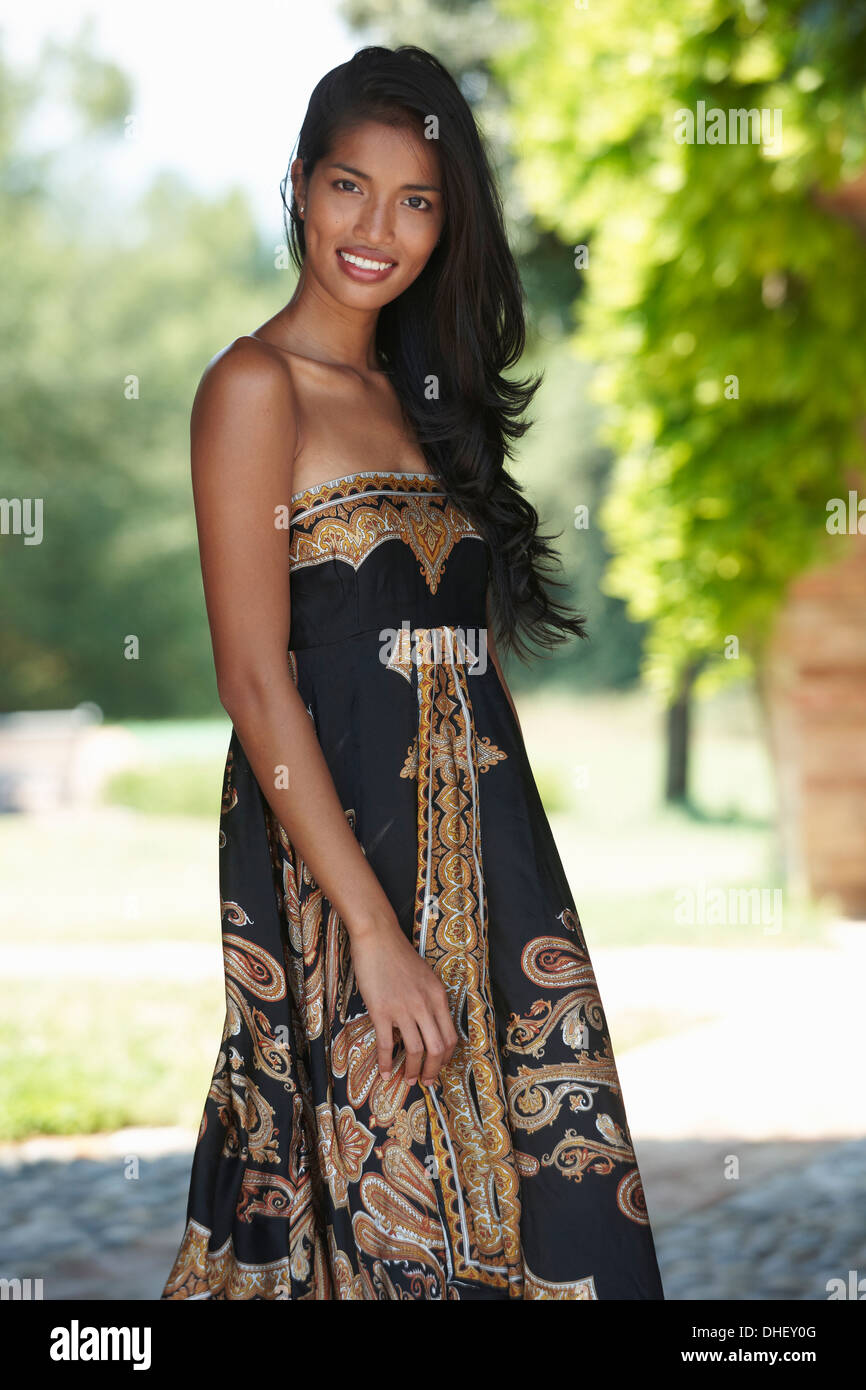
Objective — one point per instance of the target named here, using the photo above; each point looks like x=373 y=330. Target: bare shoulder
x=247 y=387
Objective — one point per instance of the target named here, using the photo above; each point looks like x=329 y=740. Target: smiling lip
x=361 y=273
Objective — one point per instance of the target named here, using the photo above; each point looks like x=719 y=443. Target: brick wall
x=814 y=682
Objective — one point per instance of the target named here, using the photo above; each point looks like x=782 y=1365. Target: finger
x=384 y=1046
x=434 y=1049
x=414 y=1049
x=447 y=1031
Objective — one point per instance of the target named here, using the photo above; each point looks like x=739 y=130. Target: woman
x=415 y=1095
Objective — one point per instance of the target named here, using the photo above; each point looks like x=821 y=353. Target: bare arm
x=243 y=436
x=243 y=442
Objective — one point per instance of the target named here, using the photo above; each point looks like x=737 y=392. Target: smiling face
x=373 y=211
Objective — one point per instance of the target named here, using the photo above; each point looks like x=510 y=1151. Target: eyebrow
x=415 y=187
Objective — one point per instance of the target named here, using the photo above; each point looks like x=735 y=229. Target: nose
x=375 y=224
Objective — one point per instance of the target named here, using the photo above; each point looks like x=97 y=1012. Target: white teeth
x=364 y=264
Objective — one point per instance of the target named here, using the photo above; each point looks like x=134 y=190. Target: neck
x=343 y=336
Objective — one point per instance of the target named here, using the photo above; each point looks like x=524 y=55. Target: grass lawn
x=85 y=1059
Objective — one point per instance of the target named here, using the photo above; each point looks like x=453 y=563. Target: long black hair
x=446 y=340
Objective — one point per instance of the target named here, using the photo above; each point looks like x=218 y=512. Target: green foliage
x=92 y=296
x=707 y=262
x=566 y=474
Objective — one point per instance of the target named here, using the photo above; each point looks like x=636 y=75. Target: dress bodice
x=375 y=550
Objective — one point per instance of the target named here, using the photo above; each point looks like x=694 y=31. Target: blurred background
x=696 y=290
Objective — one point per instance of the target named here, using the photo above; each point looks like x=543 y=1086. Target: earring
x=303 y=205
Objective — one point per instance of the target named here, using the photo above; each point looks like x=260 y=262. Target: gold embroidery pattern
x=398 y=1214
x=400 y=659
x=477 y=1171
x=240 y=1105
x=574 y=1288
x=536 y=1093
x=343 y=521
x=251 y=970
x=442 y=752
x=201 y=1273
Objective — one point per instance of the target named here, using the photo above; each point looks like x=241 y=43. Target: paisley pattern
x=514 y=1175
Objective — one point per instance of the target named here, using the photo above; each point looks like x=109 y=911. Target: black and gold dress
x=514 y=1175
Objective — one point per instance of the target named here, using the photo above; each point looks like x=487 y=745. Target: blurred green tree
x=725 y=293
x=108 y=315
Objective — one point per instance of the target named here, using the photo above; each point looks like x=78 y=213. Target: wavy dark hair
x=461 y=323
